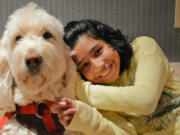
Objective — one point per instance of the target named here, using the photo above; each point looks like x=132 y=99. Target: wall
x=154 y=18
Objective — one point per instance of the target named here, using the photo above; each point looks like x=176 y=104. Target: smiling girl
x=134 y=81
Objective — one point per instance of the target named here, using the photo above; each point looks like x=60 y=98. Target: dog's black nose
x=33 y=62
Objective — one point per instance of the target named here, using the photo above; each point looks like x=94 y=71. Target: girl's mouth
x=107 y=70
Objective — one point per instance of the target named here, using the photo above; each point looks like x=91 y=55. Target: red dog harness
x=37 y=117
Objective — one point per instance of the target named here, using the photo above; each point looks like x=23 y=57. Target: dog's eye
x=47 y=35
x=18 y=38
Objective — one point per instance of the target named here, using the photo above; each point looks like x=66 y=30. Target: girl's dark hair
x=100 y=31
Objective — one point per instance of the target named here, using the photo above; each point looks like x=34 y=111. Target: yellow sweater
x=144 y=100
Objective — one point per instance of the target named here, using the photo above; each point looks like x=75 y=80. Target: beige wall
x=176 y=66
x=177 y=14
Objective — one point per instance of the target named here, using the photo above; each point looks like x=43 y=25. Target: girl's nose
x=97 y=65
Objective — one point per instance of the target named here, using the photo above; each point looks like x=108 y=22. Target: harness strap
x=35 y=109
x=29 y=109
x=6 y=117
x=49 y=123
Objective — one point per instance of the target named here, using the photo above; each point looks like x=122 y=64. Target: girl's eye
x=18 y=38
x=47 y=35
x=98 y=52
x=84 y=66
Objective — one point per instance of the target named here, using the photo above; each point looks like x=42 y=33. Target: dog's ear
x=69 y=76
x=6 y=79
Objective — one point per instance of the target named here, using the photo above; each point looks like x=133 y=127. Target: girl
x=136 y=79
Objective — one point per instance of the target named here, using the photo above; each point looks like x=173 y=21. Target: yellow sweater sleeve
x=90 y=122
x=140 y=98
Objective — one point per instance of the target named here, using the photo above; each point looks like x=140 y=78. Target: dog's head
x=37 y=54
x=35 y=47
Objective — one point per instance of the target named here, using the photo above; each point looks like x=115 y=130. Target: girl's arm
x=140 y=98
x=89 y=121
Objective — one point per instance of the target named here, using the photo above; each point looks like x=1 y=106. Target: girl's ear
x=6 y=79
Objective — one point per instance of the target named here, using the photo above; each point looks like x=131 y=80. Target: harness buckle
x=42 y=110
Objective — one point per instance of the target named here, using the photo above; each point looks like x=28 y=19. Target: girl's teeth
x=104 y=73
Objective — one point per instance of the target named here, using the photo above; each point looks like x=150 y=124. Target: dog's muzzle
x=33 y=63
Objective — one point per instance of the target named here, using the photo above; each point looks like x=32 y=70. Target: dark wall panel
x=153 y=18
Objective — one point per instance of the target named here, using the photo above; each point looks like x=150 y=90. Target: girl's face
x=97 y=61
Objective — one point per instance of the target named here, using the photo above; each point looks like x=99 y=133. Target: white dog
x=35 y=64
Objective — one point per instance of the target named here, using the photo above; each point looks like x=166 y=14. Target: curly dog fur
x=35 y=63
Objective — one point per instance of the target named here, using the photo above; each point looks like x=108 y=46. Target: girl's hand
x=65 y=109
